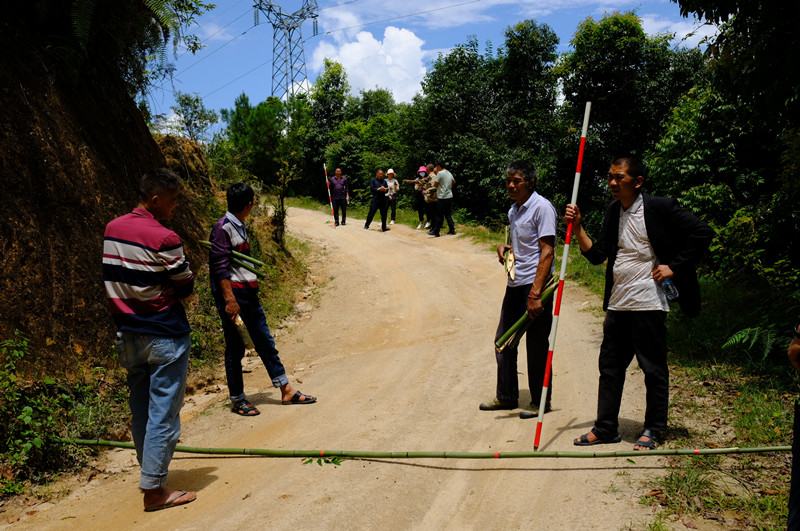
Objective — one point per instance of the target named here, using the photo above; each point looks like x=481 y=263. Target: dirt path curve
x=399 y=351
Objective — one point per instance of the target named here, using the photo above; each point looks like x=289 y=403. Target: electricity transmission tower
x=288 y=57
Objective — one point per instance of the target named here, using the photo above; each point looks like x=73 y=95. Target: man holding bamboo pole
x=235 y=290
x=532 y=220
x=146 y=275
x=647 y=241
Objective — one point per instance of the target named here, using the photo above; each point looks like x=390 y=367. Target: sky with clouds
x=382 y=44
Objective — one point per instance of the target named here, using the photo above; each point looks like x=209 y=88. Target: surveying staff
x=646 y=240
x=340 y=196
x=532 y=220
x=146 y=275
x=379 y=187
x=235 y=291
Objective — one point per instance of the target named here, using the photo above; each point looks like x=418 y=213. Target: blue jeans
x=252 y=314
x=157 y=381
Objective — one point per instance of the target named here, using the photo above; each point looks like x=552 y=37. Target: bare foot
x=644 y=444
x=288 y=394
x=157 y=499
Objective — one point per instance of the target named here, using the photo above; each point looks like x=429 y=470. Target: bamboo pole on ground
x=351 y=454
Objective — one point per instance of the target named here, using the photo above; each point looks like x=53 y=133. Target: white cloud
x=688 y=32
x=396 y=63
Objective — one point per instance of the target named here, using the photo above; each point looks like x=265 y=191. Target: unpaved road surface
x=398 y=348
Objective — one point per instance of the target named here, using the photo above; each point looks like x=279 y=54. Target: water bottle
x=669 y=289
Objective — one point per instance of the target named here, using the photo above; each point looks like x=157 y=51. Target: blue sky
x=382 y=44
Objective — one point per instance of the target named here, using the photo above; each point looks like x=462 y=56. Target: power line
x=215 y=51
x=237 y=79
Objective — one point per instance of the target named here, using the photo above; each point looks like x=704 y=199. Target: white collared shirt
x=529 y=223
x=634 y=287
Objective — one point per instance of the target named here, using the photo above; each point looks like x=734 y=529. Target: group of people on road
x=433 y=198
x=645 y=239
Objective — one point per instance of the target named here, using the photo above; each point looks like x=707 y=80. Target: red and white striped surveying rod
x=327 y=182
x=557 y=308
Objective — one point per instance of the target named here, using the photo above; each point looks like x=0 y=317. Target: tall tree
x=193 y=116
x=328 y=99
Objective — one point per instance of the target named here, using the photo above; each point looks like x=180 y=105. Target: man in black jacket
x=647 y=240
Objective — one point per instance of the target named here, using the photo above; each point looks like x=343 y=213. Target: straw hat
x=390 y=172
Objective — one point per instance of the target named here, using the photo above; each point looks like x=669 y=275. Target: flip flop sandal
x=245 y=409
x=296 y=399
x=583 y=440
x=172 y=502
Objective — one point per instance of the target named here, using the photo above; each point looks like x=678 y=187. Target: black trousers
x=337 y=204
x=444 y=211
x=537 y=343
x=793 y=523
x=374 y=206
x=625 y=335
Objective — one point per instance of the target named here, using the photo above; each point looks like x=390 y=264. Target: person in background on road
x=379 y=187
x=235 y=291
x=419 y=194
x=794 y=492
x=391 y=193
x=340 y=195
x=444 y=199
x=146 y=276
x=647 y=240
x=532 y=221
x=431 y=197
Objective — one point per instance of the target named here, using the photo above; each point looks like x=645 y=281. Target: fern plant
x=752 y=340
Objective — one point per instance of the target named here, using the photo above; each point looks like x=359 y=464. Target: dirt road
x=398 y=348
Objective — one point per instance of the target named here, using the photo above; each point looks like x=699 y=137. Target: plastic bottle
x=669 y=289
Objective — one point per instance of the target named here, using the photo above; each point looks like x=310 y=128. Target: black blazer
x=678 y=238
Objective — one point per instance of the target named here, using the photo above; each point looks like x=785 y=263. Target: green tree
x=193 y=116
x=328 y=100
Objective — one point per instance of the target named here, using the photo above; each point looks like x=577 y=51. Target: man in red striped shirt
x=146 y=275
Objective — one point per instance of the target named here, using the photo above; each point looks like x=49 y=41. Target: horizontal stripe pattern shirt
x=146 y=273
x=228 y=235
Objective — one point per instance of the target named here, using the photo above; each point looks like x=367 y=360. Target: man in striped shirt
x=235 y=291
x=146 y=275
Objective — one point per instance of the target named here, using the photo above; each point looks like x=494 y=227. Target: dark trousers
x=253 y=316
x=430 y=211
x=444 y=211
x=793 y=523
x=374 y=206
x=337 y=204
x=393 y=207
x=625 y=335
x=420 y=205
x=537 y=343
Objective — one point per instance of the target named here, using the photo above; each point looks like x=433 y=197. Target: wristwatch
x=795 y=330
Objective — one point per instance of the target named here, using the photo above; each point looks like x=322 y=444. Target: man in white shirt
x=444 y=193
x=532 y=221
x=646 y=240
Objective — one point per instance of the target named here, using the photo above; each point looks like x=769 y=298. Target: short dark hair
x=526 y=169
x=160 y=179
x=635 y=166
x=239 y=195
x=442 y=164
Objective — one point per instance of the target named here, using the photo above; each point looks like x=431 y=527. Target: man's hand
x=232 y=309
x=501 y=252
x=662 y=273
x=573 y=214
x=535 y=307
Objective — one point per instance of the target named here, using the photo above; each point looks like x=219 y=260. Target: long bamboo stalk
x=440 y=454
x=237 y=254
